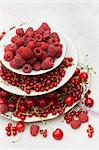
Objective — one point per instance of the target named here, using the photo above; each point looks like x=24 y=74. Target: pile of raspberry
x=33 y=49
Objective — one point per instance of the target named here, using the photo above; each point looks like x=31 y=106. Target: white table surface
x=79 y=21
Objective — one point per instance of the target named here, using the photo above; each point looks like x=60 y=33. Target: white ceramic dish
x=71 y=51
x=7 y=40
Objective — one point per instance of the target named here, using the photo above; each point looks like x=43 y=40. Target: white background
x=79 y=20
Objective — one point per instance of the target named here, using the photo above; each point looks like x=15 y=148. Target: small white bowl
x=7 y=40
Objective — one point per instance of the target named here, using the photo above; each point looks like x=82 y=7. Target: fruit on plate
x=33 y=49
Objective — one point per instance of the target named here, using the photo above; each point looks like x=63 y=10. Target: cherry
x=89 y=102
x=69 y=100
x=30 y=102
x=83 y=76
x=42 y=102
x=22 y=108
x=77 y=72
x=58 y=134
x=11 y=106
x=3 y=100
x=3 y=108
x=20 y=126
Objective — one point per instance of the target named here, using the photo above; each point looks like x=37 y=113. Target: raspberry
x=47 y=63
x=29 y=32
x=83 y=117
x=45 y=26
x=75 y=124
x=17 y=62
x=13 y=64
x=59 y=53
x=13 y=39
x=27 y=68
x=38 y=37
x=18 y=51
x=31 y=44
x=52 y=41
x=20 y=32
x=46 y=35
x=34 y=129
x=52 y=50
x=37 y=66
x=37 y=52
x=55 y=35
x=8 y=47
x=43 y=56
x=30 y=39
x=26 y=53
x=31 y=61
x=8 y=55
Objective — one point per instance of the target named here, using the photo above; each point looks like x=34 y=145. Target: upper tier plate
x=71 y=52
x=7 y=40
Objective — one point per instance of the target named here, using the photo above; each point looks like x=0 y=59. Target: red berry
x=69 y=100
x=83 y=76
x=27 y=68
x=58 y=134
x=75 y=124
x=3 y=108
x=20 y=126
x=77 y=72
x=20 y=31
x=89 y=102
x=83 y=117
x=34 y=129
x=42 y=102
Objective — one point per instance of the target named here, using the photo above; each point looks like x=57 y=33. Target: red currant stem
x=20 y=135
x=10 y=98
x=38 y=115
x=18 y=103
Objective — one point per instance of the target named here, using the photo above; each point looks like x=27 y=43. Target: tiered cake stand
x=69 y=50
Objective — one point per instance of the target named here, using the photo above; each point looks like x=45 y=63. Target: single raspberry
x=59 y=53
x=75 y=124
x=31 y=44
x=46 y=35
x=8 y=55
x=34 y=129
x=47 y=63
x=38 y=37
x=30 y=39
x=43 y=56
x=83 y=117
x=26 y=53
x=13 y=39
x=27 y=68
x=20 y=31
x=31 y=61
x=55 y=35
x=37 y=52
x=37 y=66
x=52 y=50
x=17 y=62
x=14 y=65
x=18 y=51
x=29 y=32
x=45 y=26
x=10 y=47
x=52 y=41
